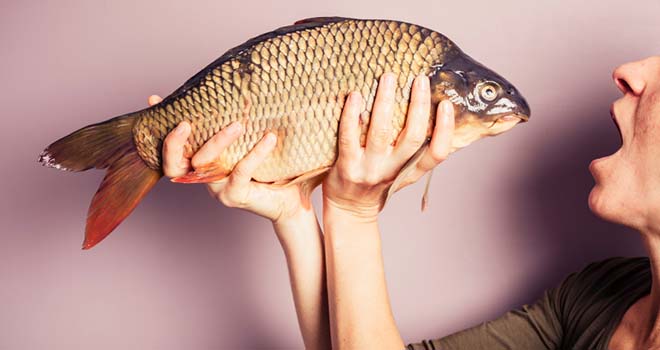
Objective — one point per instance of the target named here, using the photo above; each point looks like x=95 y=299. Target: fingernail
x=445 y=107
x=388 y=78
x=181 y=128
x=234 y=128
x=269 y=139
x=422 y=83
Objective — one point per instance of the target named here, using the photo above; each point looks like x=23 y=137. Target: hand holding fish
x=360 y=180
x=238 y=190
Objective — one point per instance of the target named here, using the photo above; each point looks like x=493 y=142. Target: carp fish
x=292 y=81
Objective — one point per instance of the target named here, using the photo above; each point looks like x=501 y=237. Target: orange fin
x=307 y=182
x=203 y=174
x=128 y=180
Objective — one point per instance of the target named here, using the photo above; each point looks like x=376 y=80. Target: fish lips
x=521 y=112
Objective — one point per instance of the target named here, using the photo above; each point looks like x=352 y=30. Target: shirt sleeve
x=534 y=326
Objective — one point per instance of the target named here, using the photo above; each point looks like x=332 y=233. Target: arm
x=296 y=227
x=353 y=194
x=302 y=242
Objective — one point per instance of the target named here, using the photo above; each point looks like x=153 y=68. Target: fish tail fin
x=108 y=145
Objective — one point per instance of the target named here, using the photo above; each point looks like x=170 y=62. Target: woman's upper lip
x=616 y=122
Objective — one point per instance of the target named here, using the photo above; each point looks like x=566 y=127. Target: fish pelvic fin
x=104 y=145
x=401 y=179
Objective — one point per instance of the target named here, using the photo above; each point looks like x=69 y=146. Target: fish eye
x=489 y=92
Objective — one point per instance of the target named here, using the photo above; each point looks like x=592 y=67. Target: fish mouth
x=505 y=122
x=523 y=117
x=519 y=117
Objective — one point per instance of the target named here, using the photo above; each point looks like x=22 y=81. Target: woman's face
x=627 y=189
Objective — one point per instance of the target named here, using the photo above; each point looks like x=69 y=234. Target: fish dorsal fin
x=319 y=20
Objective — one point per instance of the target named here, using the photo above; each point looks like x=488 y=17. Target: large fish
x=292 y=81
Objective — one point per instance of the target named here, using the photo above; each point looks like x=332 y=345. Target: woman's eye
x=489 y=93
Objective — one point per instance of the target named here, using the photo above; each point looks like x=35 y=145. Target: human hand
x=237 y=190
x=361 y=177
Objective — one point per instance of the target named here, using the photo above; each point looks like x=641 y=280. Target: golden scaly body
x=293 y=83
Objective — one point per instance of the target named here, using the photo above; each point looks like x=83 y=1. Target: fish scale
x=279 y=84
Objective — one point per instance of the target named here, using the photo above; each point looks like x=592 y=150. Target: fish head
x=485 y=103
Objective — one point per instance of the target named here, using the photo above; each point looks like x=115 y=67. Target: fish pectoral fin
x=203 y=174
x=406 y=170
x=308 y=185
x=425 y=196
x=307 y=182
x=301 y=178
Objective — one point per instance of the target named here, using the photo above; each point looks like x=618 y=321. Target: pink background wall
x=508 y=215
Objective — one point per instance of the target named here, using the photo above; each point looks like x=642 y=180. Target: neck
x=652 y=319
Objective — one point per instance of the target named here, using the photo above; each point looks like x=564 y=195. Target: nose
x=629 y=78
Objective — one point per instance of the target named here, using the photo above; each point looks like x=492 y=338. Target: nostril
x=623 y=85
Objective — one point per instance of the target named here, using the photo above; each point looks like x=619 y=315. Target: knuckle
x=371 y=179
x=343 y=141
x=196 y=163
x=438 y=157
x=380 y=135
x=416 y=142
x=238 y=172
x=225 y=198
x=348 y=173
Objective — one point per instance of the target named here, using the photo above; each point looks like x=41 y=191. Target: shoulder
x=606 y=276
x=590 y=302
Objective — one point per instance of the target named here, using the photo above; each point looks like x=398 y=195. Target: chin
x=600 y=206
x=595 y=203
x=611 y=209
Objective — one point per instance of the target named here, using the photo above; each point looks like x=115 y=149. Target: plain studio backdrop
x=508 y=215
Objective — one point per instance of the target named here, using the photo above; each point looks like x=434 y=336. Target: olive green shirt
x=582 y=313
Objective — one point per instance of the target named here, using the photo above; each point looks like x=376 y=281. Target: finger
x=413 y=135
x=380 y=125
x=441 y=139
x=242 y=173
x=154 y=99
x=216 y=187
x=348 y=140
x=212 y=149
x=174 y=161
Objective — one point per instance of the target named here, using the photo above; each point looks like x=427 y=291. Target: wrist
x=298 y=229
x=350 y=213
x=294 y=217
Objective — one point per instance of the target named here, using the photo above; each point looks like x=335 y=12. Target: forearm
x=302 y=242
x=360 y=312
